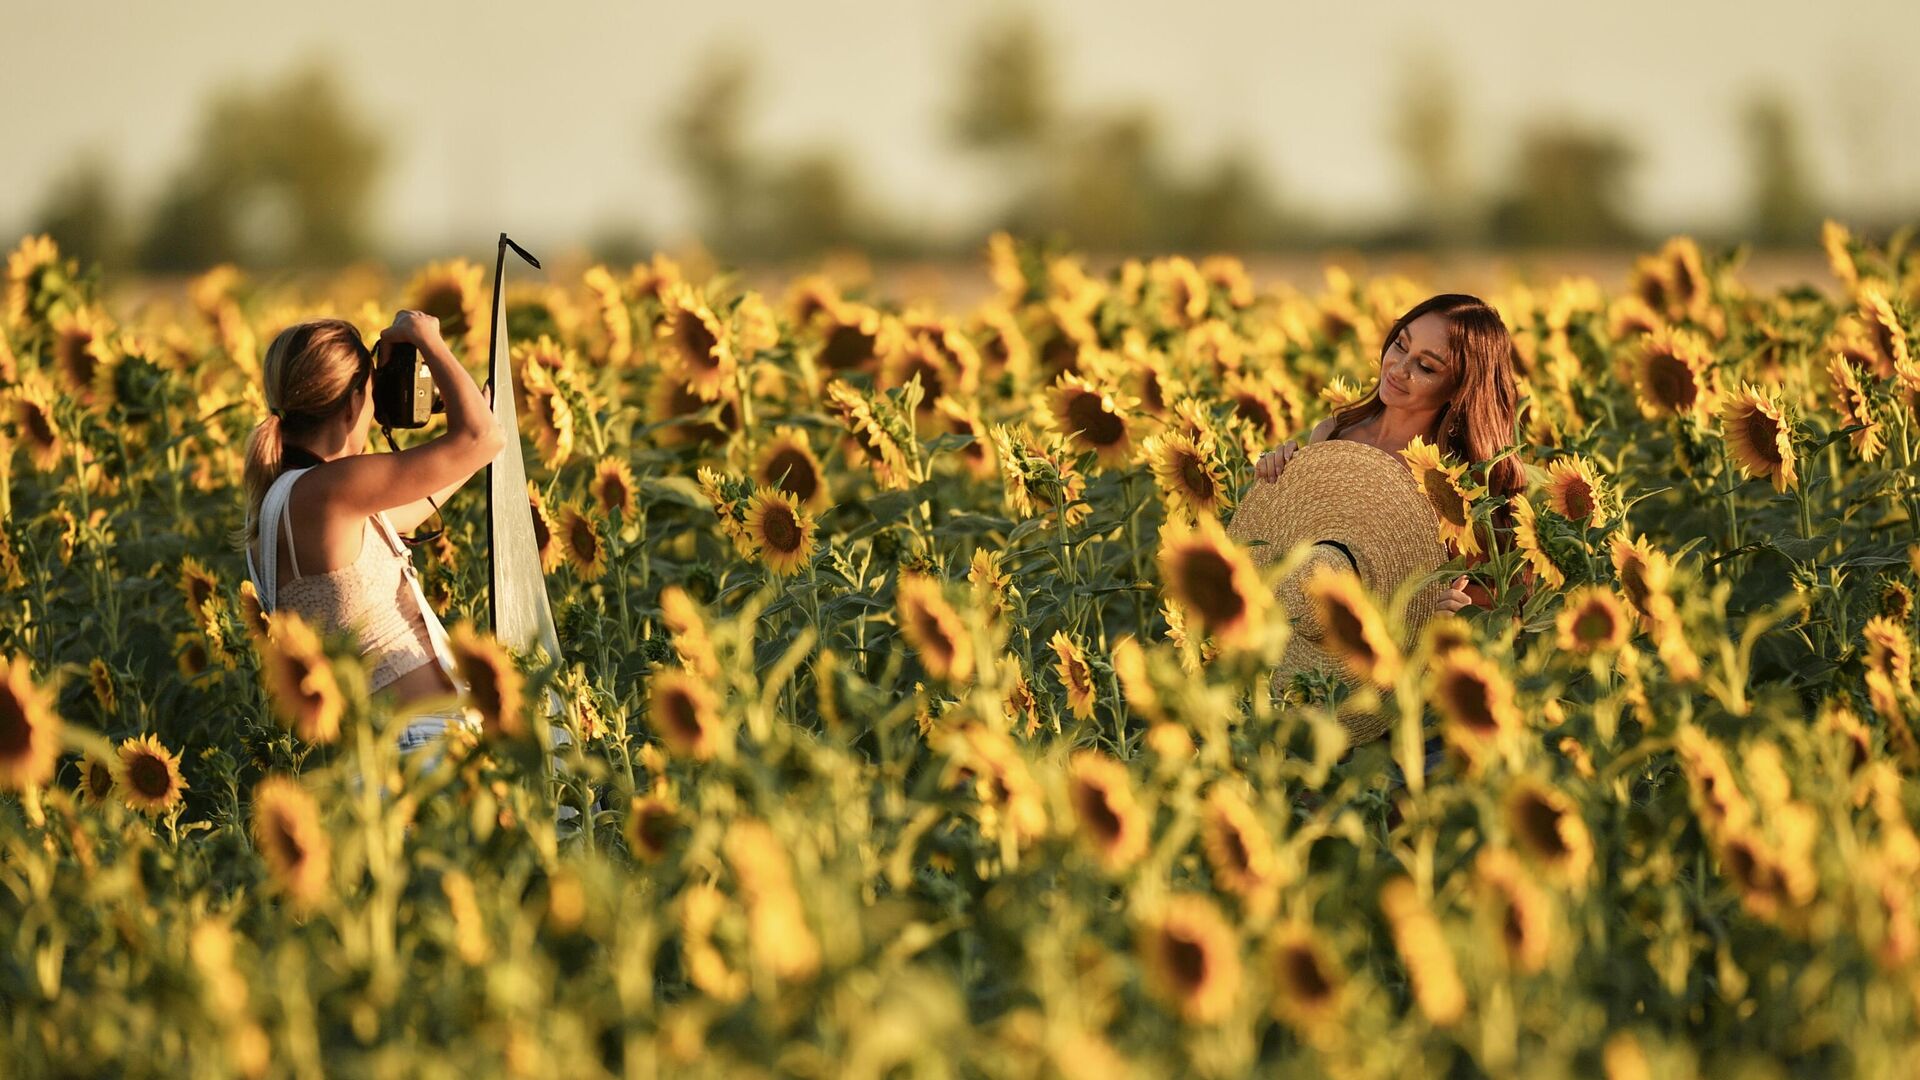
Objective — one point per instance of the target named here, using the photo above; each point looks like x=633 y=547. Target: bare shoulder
x=1321 y=431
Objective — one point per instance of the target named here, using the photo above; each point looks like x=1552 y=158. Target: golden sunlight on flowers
x=292 y=840
x=494 y=682
x=1351 y=627
x=1423 y=948
x=299 y=678
x=147 y=775
x=683 y=711
x=1111 y=824
x=1191 y=955
x=1213 y=578
x=1758 y=437
x=30 y=729
x=934 y=629
x=1451 y=498
x=781 y=532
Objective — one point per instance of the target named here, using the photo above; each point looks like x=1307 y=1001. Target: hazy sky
x=545 y=120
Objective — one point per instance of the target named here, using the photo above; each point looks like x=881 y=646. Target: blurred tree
x=1568 y=187
x=1006 y=88
x=707 y=134
x=1425 y=128
x=279 y=176
x=1230 y=207
x=1782 y=209
x=81 y=211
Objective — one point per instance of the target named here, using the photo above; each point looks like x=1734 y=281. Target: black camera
x=403 y=392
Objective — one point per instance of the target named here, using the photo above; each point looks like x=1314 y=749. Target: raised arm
x=367 y=483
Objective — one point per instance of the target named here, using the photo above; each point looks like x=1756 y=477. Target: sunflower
x=652 y=822
x=101 y=679
x=1001 y=343
x=854 y=338
x=1214 y=579
x=30 y=730
x=1351 y=627
x=1239 y=848
x=147 y=775
x=1644 y=574
x=777 y=931
x=300 y=681
x=1189 y=474
x=1574 y=491
x=688 y=630
x=1192 y=958
x=682 y=417
x=1711 y=786
x=938 y=355
x=1039 y=473
x=1674 y=375
x=1758 y=437
x=1092 y=418
x=781 y=532
x=1475 y=700
x=494 y=682
x=1075 y=674
x=580 y=535
x=1856 y=408
x=702 y=908
x=1309 y=984
x=252 y=615
x=1264 y=419
x=964 y=419
x=874 y=441
x=198 y=585
x=685 y=714
x=1547 y=825
x=1423 y=948
x=1527 y=540
x=934 y=629
x=451 y=292
x=30 y=404
x=1012 y=804
x=1184 y=293
x=1112 y=825
x=1004 y=268
x=612 y=486
x=35 y=274
x=550 y=415
x=1836 y=240
x=787 y=462
x=1452 y=500
x=616 y=318
x=292 y=840
x=698 y=347
x=1884 y=330
x=1889 y=650
x=1136 y=683
x=1629 y=317
x=1592 y=620
x=97 y=784
x=1517 y=906
x=79 y=349
x=992 y=587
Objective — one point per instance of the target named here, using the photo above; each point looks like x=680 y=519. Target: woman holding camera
x=324 y=518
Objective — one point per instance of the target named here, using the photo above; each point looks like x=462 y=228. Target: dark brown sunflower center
x=780 y=531
x=681 y=716
x=1672 y=383
x=1206 y=577
x=791 y=470
x=1256 y=412
x=847 y=347
x=286 y=841
x=1538 y=821
x=1577 y=497
x=1087 y=415
x=697 y=341
x=1467 y=698
x=16 y=733
x=1097 y=811
x=1445 y=498
x=38 y=425
x=1187 y=961
x=656 y=828
x=1196 y=479
x=581 y=537
x=1342 y=627
x=1763 y=437
x=934 y=635
x=1309 y=981
x=149 y=776
x=1593 y=625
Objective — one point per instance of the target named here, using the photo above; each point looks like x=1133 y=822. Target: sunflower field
x=917 y=696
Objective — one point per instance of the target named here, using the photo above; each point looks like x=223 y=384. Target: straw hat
x=1360 y=510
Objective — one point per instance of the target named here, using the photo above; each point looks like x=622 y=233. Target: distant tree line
x=286 y=174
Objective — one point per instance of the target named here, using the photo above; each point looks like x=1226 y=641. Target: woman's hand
x=1456 y=596
x=1273 y=462
x=415 y=328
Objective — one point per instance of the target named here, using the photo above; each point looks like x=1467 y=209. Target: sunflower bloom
x=1093 y=418
x=494 y=682
x=688 y=631
x=1189 y=474
x=1573 y=491
x=1423 y=948
x=1592 y=621
x=147 y=775
x=1758 y=437
x=1214 y=578
x=451 y=292
x=1475 y=699
x=1674 y=375
x=1239 y=849
x=934 y=629
x=1075 y=674
x=30 y=405
x=697 y=344
x=685 y=713
x=1192 y=958
x=1309 y=984
x=30 y=731
x=872 y=439
x=300 y=681
x=1112 y=824
x=612 y=486
x=97 y=784
x=582 y=536
x=1526 y=540
x=292 y=840
x=1351 y=626
x=1517 y=906
x=787 y=462
x=1452 y=500
x=777 y=931
x=782 y=533
x=1855 y=408
x=1884 y=330
x=1547 y=826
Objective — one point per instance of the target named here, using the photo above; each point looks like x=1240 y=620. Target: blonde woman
x=324 y=519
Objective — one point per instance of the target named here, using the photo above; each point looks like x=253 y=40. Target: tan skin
x=1418 y=378
x=329 y=506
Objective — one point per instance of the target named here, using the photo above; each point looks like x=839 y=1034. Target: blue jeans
x=1436 y=752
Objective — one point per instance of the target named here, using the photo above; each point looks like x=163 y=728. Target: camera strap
x=419 y=536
